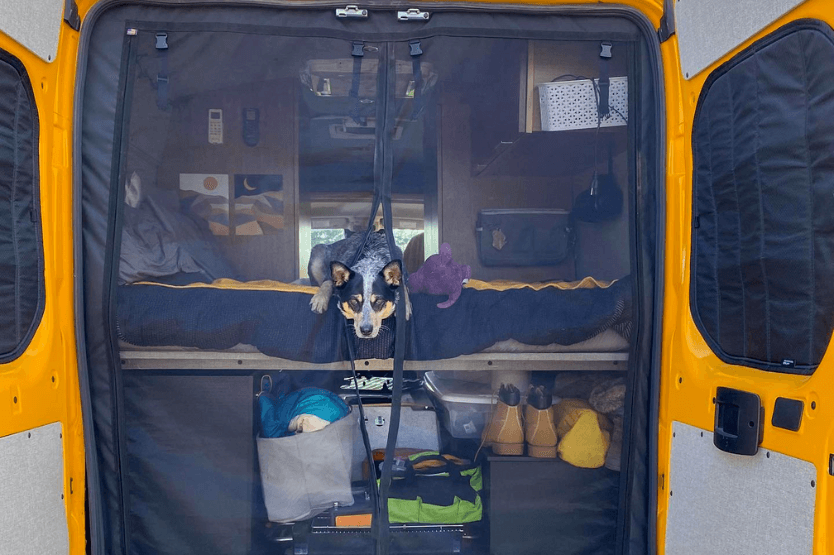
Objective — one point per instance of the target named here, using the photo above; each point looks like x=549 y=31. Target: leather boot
x=539 y=429
x=505 y=431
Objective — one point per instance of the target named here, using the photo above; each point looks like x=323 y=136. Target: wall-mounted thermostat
x=215 y=126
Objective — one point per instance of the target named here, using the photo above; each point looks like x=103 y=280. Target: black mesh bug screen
x=250 y=175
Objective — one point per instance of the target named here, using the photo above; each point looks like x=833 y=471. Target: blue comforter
x=281 y=324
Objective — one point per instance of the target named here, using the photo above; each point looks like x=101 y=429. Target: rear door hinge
x=71 y=16
x=667 y=21
x=413 y=14
x=353 y=12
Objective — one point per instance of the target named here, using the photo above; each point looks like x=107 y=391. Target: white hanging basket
x=573 y=104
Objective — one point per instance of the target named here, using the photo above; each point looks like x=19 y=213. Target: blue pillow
x=276 y=414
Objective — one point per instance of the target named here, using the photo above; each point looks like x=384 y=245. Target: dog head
x=367 y=299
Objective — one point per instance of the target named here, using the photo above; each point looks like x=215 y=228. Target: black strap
x=384 y=541
x=604 y=81
x=388 y=121
x=358 y=52
x=162 y=76
x=366 y=441
x=416 y=67
x=383 y=178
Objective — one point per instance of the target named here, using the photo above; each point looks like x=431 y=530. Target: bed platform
x=137 y=358
x=493 y=326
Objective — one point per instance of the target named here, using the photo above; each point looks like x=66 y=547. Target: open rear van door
x=41 y=442
x=746 y=407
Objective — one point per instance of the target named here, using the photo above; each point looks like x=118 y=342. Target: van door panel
x=42 y=491
x=692 y=371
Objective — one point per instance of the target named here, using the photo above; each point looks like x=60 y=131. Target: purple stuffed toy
x=440 y=275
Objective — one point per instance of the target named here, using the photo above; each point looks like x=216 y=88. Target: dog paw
x=319 y=302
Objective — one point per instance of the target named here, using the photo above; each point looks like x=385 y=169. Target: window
x=763 y=220
x=21 y=260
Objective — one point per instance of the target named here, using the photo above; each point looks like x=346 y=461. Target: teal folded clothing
x=277 y=414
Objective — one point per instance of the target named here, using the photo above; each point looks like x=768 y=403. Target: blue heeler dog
x=368 y=291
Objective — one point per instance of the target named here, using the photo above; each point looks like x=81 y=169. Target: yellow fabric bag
x=584 y=434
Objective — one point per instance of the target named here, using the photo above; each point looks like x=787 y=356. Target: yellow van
x=614 y=221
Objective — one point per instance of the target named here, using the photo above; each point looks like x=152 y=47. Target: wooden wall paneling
x=268 y=256
x=462 y=196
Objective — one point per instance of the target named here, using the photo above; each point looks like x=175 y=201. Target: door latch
x=351 y=11
x=413 y=14
x=739 y=421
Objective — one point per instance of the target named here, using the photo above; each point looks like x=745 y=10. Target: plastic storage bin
x=573 y=104
x=464 y=405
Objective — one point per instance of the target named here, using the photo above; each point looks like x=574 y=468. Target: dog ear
x=340 y=274
x=392 y=273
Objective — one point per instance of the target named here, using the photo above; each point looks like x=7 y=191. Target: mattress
x=275 y=319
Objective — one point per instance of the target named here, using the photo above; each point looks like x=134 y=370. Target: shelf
x=212 y=360
x=510 y=140
x=554 y=153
